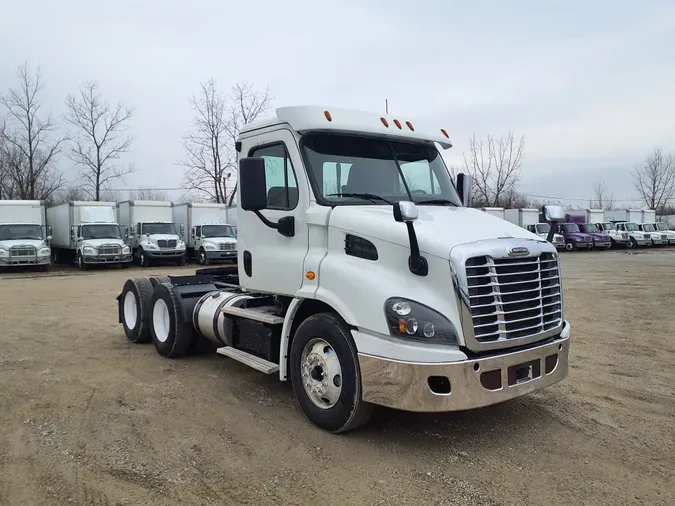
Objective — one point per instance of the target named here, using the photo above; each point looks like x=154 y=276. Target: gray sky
x=591 y=84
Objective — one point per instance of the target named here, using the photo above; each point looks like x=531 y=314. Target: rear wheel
x=325 y=374
x=135 y=300
x=171 y=335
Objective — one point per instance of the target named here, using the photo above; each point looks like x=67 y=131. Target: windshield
x=543 y=228
x=217 y=231
x=590 y=228
x=158 y=228
x=571 y=228
x=631 y=227
x=648 y=227
x=101 y=231
x=662 y=227
x=15 y=232
x=393 y=171
x=608 y=226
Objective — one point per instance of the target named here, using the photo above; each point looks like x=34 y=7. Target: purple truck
x=574 y=237
x=600 y=239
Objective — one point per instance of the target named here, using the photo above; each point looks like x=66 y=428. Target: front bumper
x=106 y=259
x=643 y=242
x=473 y=383
x=660 y=242
x=24 y=261
x=221 y=255
x=559 y=245
x=602 y=244
x=164 y=253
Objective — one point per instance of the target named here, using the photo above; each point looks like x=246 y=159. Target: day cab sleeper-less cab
x=363 y=276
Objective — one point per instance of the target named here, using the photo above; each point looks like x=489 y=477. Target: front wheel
x=633 y=243
x=143 y=259
x=203 y=259
x=80 y=262
x=570 y=246
x=325 y=374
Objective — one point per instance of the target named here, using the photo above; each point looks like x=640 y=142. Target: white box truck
x=376 y=295
x=498 y=212
x=24 y=234
x=206 y=231
x=622 y=226
x=87 y=233
x=529 y=220
x=151 y=231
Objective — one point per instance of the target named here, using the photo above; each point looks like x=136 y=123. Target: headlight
x=209 y=246
x=181 y=245
x=126 y=250
x=411 y=320
x=44 y=252
x=150 y=245
x=88 y=250
x=3 y=252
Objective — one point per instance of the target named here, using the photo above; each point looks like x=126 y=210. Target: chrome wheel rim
x=321 y=373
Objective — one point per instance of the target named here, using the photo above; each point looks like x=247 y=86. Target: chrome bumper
x=467 y=384
x=221 y=255
x=106 y=259
x=24 y=261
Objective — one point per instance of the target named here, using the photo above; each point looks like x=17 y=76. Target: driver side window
x=282 y=187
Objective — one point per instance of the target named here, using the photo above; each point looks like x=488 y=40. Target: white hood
x=163 y=237
x=438 y=228
x=97 y=243
x=10 y=243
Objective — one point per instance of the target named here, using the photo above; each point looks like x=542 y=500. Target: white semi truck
x=24 y=234
x=625 y=223
x=151 y=231
x=529 y=220
x=364 y=278
x=87 y=233
x=210 y=235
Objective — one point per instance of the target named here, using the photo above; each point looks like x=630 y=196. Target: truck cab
x=99 y=243
x=542 y=230
x=663 y=228
x=24 y=236
x=636 y=237
x=601 y=240
x=214 y=242
x=616 y=237
x=658 y=238
x=156 y=241
x=574 y=238
x=365 y=278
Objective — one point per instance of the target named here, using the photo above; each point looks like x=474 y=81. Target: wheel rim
x=160 y=320
x=79 y=261
x=142 y=258
x=321 y=373
x=201 y=257
x=568 y=246
x=130 y=310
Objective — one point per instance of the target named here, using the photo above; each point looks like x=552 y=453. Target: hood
x=96 y=243
x=600 y=235
x=10 y=243
x=165 y=237
x=579 y=236
x=438 y=228
x=221 y=240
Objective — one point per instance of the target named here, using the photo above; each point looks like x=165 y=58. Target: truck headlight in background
x=88 y=250
x=410 y=320
x=150 y=245
x=126 y=250
x=181 y=245
x=3 y=252
x=44 y=252
x=209 y=246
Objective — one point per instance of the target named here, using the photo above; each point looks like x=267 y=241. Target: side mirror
x=49 y=230
x=405 y=211
x=465 y=188
x=554 y=213
x=49 y=238
x=252 y=184
x=72 y=233
x=125 y=232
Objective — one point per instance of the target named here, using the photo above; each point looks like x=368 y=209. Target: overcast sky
x=591 y=84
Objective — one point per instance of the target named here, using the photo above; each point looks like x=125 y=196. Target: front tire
x=171 y=335
x=80 y=262
x=570 y=246
x=325 y=374
x=143 y=259
x=135 y=299
x=202 y=258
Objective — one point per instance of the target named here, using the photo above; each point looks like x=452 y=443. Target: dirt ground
x=88 y=418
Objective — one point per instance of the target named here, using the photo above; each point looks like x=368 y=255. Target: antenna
x=386 y=106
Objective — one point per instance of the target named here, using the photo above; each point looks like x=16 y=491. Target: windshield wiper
x=436 y=202
x=366 y=196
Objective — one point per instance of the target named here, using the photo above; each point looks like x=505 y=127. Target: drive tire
x=171 y=335
x=136 y=291
x=349 y=412
x=156 y=280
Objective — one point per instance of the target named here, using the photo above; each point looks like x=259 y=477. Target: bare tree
x=148 y=194
x=210 y=156
x=496 y=168
x=654 y=179
x=602 y=197
x=100 y=139
x=29 y=144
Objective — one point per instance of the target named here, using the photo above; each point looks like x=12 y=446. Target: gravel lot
x=88 y=418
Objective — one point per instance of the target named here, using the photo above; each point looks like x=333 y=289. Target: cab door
x=268 y=261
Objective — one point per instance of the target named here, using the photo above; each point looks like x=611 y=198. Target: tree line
x=34 y=150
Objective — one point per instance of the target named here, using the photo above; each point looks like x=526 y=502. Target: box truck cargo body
x=529 y=219
x=151 y=231
x=24 y=234
x=206 y=231
x=87 y=233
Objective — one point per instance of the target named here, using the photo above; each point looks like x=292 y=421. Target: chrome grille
x=23 y=251
x=109 y=250
x=663 y=237
x=163 y=243
x=227 y=246
x=513 y=298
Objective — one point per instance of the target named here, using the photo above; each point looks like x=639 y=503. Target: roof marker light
x=445 y=133
x=384 y=122
x=397 y=123
x=328 y=116
x=410 y=126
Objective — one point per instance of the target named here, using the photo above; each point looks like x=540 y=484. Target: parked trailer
x=151 y=232
x=529 y=220
x=648 y=216
x=87 y=233
x=364 y=301
x=207 y=232
x=24 y=234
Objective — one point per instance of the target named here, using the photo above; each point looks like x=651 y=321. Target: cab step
x=257 y=363
x=260 y=314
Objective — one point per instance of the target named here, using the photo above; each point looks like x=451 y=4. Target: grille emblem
x=518 y=251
